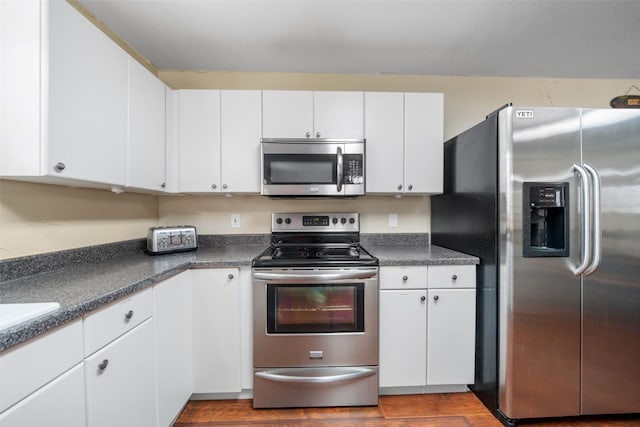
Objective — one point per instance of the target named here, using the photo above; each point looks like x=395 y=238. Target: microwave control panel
x=353 y=170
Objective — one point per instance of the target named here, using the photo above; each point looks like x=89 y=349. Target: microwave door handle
x=339 y=170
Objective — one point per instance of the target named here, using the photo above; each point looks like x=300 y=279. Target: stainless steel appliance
x=548 y=199
x=312 y=167
x=315 y=316
x=178 y=238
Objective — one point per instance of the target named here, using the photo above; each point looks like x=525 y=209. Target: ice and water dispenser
x=545 y=219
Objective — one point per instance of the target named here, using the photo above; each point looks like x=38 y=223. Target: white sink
x=13 y=314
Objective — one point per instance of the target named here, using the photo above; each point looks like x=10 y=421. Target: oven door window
x=300 y=169
x=315 y=308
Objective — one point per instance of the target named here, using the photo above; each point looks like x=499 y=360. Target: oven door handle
x=313 y=277
x=348 y=374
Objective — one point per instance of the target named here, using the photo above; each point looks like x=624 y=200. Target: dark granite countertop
x=82 y=287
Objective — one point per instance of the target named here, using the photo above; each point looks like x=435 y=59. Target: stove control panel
x=315 y=222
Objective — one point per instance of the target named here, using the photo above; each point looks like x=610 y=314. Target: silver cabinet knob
x=213 y=186
x=405 y=278
x=399 y=186
x=59 y=167
x=103 y=365
x=308 y=135
x=454 y=277
x=422 y=298
x=230 y=276
x=163 y=185
x=317 y=134
x=128 y=315
x=224 y=186
x=410 y=187
x=436 y=297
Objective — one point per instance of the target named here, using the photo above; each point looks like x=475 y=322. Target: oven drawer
x=313 y=387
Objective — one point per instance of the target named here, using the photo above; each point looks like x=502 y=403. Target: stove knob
x=279 y=221
x=334 y=220
x=352 y=220
x=287 y=221
x=343 y=220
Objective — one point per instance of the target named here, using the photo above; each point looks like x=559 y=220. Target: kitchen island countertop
x=83 y=287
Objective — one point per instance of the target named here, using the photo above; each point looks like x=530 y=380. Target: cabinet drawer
x=414 y=277
x=107 y=324
x=452 y=276
x=29 y=366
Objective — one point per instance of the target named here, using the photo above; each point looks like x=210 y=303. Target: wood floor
x=426 y=410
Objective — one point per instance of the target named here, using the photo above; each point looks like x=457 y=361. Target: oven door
x=306 y=317
x=312 y=168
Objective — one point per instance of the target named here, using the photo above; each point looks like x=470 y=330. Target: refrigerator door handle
x=586 y=219
x=597 y=228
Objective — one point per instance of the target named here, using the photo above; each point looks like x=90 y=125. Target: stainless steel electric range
x=315 y=314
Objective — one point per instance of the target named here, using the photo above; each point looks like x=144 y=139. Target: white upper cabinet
x=306 y=114
x=404 y=133
x=199 y=140
x=241 y=127
x=219 y=140
x=146 y=149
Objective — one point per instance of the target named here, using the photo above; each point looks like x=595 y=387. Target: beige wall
x=40 y=218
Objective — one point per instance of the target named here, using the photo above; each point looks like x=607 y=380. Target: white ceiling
x=508 y=38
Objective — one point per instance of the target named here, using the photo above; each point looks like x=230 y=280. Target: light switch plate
x=393 y=220
x=235 y=220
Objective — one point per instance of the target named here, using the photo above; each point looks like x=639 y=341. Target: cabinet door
x=451 y=336
x=384 y=132
x=59 y=403
x=146 y=152
x=241 y=128
x=120 y=381
x=423 y=142
x=87 y=100
x=338 y=115
x=172 y=321
x=403 y=335
x=287 y=114
x=199 y=140
x=217 y=357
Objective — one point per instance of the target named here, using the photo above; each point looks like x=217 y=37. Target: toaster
x=178 y=238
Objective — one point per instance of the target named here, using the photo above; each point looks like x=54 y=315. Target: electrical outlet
x=393 y=220
x=235 y=220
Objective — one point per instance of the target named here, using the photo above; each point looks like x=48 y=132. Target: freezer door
x=539 y=297
x=611 y=295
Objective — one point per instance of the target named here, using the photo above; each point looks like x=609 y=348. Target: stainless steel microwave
x=312 y=167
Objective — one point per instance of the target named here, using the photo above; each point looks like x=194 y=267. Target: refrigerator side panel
x=611 y=295
x=464 y=218
x=539 y=308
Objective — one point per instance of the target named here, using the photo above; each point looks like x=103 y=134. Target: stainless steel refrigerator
x=549 y=200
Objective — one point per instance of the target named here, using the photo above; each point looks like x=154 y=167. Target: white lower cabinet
x=59 y=403
x=172 y=324
x=217 y=355
x=120 y=381
x=427 y=328
x=403 y=337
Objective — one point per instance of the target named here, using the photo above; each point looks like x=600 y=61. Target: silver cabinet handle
x=423 y=298
x=436 y=298
x=399 y=186
x=454 y=277
x=318 y=134
x=405 y=278
x=586 y=219
x=224 y=186
x=308 y=135
x=230 y=276
x=128 y=315
x=163 y=185
x=341 y=375
x=339 y=169
x=213 y=186
x=59 y=167
x=103 y=365
x=596 y=255
x=410 y=187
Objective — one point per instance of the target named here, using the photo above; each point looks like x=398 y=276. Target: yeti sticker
x=524 y=114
